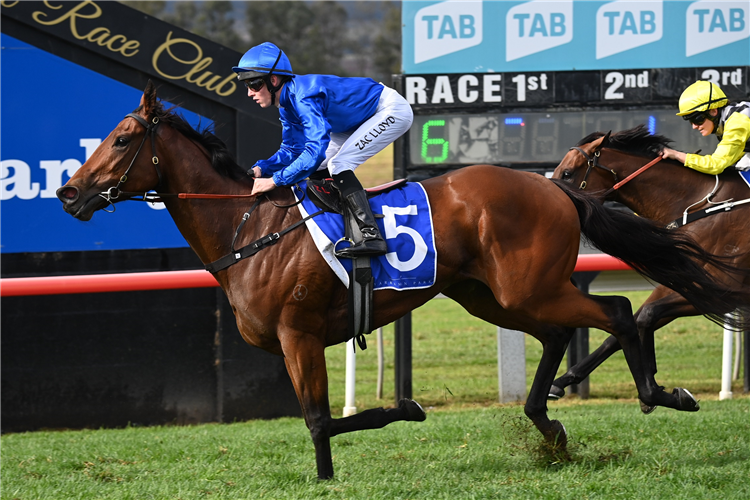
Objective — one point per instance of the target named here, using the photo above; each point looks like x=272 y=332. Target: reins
x=115 y=192
x=634 y=175
x=686 y=218
x=593 y=161
x=234 y=256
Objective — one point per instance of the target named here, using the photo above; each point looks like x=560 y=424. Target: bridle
x=114 y=192
x=235 y=255
x=594 y=162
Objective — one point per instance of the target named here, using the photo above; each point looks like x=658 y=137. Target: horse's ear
x=148 y=100
x=605 y=141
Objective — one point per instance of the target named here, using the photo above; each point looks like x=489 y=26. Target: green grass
x=464 y=453
x=469 y=447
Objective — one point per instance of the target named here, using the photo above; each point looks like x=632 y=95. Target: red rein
x=637 y=173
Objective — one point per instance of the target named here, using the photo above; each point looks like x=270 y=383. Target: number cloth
x=335 y=123
x=411 y=261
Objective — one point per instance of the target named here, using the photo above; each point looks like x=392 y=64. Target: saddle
x=326 y=196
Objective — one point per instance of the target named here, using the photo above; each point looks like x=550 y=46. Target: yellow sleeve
x=728 y=152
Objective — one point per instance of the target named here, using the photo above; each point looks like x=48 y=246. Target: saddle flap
x=325 y=195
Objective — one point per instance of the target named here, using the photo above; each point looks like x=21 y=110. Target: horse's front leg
x=304 y=355
x=377 y=418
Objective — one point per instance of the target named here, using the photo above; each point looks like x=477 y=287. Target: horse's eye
x=567 y=175
x=121 y=142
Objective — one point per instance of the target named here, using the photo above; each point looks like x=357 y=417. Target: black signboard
x=529 y=120
x=488 y=91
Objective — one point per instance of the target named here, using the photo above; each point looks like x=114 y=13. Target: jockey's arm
x=728 y=152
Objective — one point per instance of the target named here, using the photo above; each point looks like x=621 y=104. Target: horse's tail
x=673 y=259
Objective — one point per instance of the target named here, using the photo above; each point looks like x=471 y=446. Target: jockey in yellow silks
x=709 y=111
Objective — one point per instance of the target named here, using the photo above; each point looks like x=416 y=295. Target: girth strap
x=254 y=247
x=692 y=217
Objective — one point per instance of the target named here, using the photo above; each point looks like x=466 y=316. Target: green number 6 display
x=428 y=141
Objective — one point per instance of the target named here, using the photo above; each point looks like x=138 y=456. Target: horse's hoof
x=646 y=409
x=557 y=441
x=414 y=411
x=555 y=393
x=687 y=401
x=561 y=435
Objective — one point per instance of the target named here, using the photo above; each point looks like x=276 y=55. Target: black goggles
x=696 y=118
x=255 y=84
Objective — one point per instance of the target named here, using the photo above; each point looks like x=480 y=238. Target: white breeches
x=391 y=120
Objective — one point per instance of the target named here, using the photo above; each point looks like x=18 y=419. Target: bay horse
x=507 y=244
x=623 y=167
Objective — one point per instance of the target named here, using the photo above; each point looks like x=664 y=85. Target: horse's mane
x=635 y=140
x=221 y=159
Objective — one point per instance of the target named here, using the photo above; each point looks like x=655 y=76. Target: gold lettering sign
x=101 y=36
x=193 y=68
x=77 y=14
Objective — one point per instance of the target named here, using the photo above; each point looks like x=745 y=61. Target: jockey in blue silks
x=328 y=122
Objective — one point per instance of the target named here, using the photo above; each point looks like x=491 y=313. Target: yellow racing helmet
x=700 y=97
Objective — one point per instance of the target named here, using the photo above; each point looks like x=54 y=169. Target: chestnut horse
x=507 y=244
x=661 y=192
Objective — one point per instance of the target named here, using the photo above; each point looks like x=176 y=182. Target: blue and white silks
x=411 y=261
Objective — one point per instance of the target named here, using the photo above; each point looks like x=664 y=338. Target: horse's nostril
x=67 y=193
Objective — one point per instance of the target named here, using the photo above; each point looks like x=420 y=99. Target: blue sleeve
x=313 y=138
x=286 y=154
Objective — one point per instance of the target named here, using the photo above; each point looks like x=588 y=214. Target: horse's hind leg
x=662 y=307
x=479 y=301
x=612 y=314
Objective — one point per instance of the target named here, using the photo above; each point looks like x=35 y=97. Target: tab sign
x=711 y=24
x=537 y=26
x=445 y=28
x=623 y=25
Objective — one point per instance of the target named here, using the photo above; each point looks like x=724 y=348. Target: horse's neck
x=208 y=225
x=663 y=192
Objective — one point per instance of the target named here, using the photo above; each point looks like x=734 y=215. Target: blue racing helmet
x=263 y=60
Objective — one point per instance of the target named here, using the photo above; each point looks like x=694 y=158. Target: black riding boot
x=372 y=243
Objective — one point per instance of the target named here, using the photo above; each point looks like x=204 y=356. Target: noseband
x=114 y=192
x=592 y=162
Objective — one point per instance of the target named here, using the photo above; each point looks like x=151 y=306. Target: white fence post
x=726 y=362
x=511 y=365
x=381 y=364
x=350 y=406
